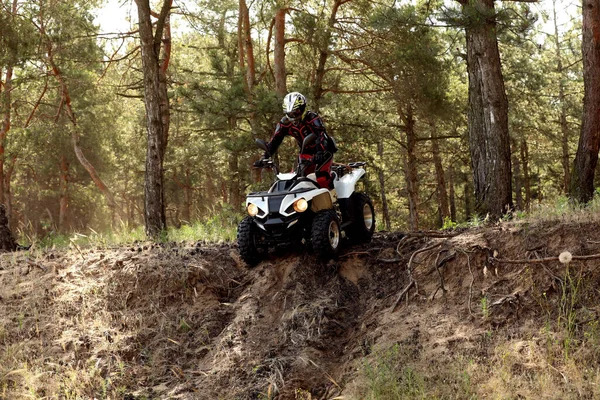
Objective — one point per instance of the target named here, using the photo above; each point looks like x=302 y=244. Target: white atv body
x=297 y=210
x=308 y=189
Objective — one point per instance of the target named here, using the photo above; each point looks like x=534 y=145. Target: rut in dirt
x=298 y=323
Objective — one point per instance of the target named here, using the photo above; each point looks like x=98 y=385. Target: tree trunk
x=64 y=194
x=187 y=195
x=467 y=194
x=488 y=112
x=380 y=174
x=323 y=55
x=564 y=127
x=586 y=158
x=452 y=193
x=234 y=182
x=6 y=107
x=246 y=61
x=442 y=194
x=279 y=53
x=8 y=193
x=157 y=105
x=526 y=178
x=7 y=241
x=518 y=182
x=412 y=180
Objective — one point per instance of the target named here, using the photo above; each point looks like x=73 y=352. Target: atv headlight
x=252 y=209
x=301 y=205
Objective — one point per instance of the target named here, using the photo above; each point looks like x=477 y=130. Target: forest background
x=389 y=78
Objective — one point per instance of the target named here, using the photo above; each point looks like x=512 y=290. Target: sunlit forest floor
x=484 y=312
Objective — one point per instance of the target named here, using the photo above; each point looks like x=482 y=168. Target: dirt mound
x=488 y=311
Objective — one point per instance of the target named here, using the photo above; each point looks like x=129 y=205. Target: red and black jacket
x=310 y=123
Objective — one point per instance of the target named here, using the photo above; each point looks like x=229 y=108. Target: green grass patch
x=218 y=228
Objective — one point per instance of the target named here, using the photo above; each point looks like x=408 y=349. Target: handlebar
x=267 y=164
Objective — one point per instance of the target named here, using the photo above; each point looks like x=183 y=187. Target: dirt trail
x=189 y=321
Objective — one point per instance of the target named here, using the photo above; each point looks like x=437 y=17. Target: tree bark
x=467 y=194
x=452 y=193
x=323 y=55
x=412 y=179
x=188 y=196
x=8 y=193
x=380 y=174
x=586 y=158
x=526 y=175
x=442 y=194
x=7 y=240
x=234 y=181
x=564 y=127
x=279 y=53
x=488 y=112
x=6 y=105
x=64 y=195
x=518 y=182
x=246 y=61
x=157 y=106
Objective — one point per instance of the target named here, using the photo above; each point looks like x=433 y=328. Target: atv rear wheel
x=326 y=234
x=247 y=242
x=363 y=218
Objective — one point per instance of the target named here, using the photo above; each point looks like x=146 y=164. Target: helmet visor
x=294 y=114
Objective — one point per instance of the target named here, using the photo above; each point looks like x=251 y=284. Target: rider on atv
x=299 y=122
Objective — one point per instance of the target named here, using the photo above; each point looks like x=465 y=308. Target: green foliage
x=449 y=224
x=569 y=303
x=485 y=308
x=219 y=227
x=383 y=63
x=388 y=379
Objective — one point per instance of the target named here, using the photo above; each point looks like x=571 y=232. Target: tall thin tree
x=157 y=112
x=586 y=158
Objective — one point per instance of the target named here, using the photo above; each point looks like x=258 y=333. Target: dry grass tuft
x=102 y=324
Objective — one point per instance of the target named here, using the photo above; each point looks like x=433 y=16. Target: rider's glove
x=319 y=158
x=260 y=163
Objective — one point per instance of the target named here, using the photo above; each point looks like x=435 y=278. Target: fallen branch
x=542 y=260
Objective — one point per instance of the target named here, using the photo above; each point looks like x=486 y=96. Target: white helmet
x=294 y=106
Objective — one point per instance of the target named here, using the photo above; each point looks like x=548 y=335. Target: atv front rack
x=265 y=194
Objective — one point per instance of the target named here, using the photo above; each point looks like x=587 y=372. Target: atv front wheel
x=363 y=218
x=326 y=234
x=247 y=242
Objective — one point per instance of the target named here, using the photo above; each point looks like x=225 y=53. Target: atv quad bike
x=297 y=210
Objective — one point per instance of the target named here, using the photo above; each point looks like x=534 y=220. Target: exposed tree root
x=409 y=270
